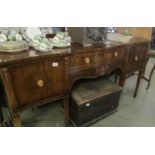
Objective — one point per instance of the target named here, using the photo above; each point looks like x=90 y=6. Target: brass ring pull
x=136 y=58
x=116 y=54
x=40 y=83
x=87 y=60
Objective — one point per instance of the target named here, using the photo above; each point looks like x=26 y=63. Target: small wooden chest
x=92 y=100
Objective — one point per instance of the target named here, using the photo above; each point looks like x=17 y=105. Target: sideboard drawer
x=112 y=55
x=37 y=81
x=86 y=60
x=114 y=58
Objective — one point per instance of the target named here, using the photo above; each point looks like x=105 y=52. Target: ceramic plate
x=42 y=50
x=61 y=46
x=13 y=46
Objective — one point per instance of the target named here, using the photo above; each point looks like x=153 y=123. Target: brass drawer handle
x=87 y=60
x=136 y=58
x=40 y=83
x=116 y=54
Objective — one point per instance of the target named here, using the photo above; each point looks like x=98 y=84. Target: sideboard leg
x=137 y=84
x=144 y=66
x=122 y=80
x=1 y=115
x=66 y=110
x=17 y=121
x=115 y=78
x=150 y=76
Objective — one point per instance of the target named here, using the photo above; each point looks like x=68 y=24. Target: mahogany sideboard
x=32 y=78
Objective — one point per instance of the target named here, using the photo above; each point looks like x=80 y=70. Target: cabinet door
x=136 y=57
x=38 y=81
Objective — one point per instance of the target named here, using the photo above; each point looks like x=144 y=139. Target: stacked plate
x=61 y=40
x=12 y=42
x=118 y=37
x=36 y=37
x=13 y=46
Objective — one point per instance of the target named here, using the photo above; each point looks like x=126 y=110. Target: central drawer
x=37 y=81
x=87 y=59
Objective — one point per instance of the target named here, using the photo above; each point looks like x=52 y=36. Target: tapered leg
x=17 y=121
x=66 y=110
x=150 y=76
x=116 y=78
x=122 y=80
x=1 y=115
x=144 y=67
x=137 y=84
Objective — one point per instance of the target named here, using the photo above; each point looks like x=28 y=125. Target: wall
x=143 y=32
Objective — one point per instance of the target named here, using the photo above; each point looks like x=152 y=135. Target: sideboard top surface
x=32 y=54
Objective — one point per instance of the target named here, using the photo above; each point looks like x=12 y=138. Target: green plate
x=13 y=46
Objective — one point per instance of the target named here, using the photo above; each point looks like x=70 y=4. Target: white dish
x=3 y=38
x=29 y=33
x=61 y=40
x=119 y=37
x=42 y=49
x=61 y=45
x=32 y=32
x=13 y=46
